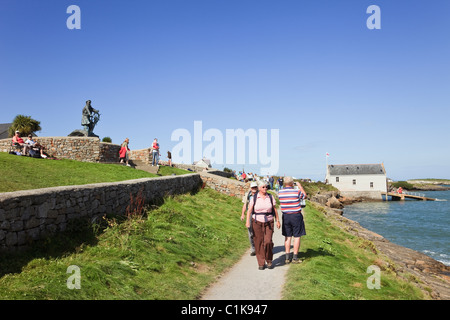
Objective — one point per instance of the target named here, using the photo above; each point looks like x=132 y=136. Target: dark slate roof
x=4 y=130
x=353 y=169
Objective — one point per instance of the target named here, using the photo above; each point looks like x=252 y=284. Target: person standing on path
x=169 y=156
x=246 y=200
x=155 y=152
x=293 y=224
x=263 y=212
x=280 y=183
x=123 y=152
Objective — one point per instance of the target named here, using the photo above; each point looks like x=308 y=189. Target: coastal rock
x=334 y=203
x=327 y=198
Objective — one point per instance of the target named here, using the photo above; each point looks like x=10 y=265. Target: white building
x=205 y=163
x=358 y=180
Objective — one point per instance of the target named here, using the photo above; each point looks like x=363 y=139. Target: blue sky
x=311 y=69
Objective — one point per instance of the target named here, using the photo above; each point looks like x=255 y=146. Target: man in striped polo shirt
x=293 y=224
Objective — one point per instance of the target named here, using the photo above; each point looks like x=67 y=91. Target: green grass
x=167 y=171
x=312 y=188
x=180 y=247
x=431 y=180
x=173 y=253
x=24 y=173
x=335 y=266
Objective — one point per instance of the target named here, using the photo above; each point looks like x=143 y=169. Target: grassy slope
x=180 y=248
x=173 y=254
x=335 y=266
x=24 y=173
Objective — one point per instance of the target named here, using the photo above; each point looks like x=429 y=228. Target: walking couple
x=262 y=215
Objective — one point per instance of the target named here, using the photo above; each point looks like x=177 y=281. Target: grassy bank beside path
x=179 y=248
x=335 y=266
x=173 y=252
x=25 y=173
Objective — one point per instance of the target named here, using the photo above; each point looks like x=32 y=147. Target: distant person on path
x=280 y=183
x=246 y=200
x=263 y=212
x=123 y=152
x=169 y=156
x=271 y=180
x=155 y=152
x=293 y=224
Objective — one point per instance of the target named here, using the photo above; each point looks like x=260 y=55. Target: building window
x=337 y=179
x=371 y=184
x=354 y=181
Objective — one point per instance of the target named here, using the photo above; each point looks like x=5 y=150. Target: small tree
x=404 y=184
x=107 y=139
x=25 y=124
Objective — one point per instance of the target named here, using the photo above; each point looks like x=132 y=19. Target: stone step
x=140 y=165
x=148 y=168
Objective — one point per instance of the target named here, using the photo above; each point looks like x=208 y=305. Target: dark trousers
x=262 y=236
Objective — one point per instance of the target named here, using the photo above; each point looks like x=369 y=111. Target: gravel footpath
x=245 y=282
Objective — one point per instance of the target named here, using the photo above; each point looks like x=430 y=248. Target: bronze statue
x=89 y=119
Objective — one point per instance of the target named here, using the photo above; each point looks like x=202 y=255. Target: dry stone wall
x=87 y=149
x=224 y=185
x=143 y=155
x=26 y=216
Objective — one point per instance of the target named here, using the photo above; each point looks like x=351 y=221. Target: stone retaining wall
x=225 y=185
x=109 y=152
x=143 y=155
x=87 y=149
x=29 y=215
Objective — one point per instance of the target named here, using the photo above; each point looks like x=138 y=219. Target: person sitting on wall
x=18 y=142
x=34 y=148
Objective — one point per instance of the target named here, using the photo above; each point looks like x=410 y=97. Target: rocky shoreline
x=430 y=187
x=432 y=276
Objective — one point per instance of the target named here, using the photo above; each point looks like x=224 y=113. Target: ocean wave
x=441 y=257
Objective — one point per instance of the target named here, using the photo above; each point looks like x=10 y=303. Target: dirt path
x=245 y=282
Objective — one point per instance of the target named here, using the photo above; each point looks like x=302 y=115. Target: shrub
x=25 y=124
x=405 y=185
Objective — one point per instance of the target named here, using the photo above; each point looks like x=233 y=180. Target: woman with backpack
x=263 y=213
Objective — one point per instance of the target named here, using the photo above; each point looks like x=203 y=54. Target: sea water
x=423 y=226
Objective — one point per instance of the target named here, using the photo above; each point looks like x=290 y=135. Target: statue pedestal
x=82 y=133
